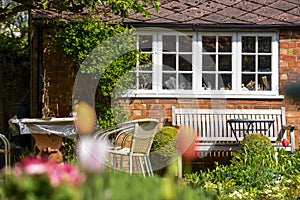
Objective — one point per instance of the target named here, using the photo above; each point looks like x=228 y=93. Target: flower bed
x=256 y=172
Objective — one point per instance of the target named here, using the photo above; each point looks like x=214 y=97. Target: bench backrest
x=211 y=126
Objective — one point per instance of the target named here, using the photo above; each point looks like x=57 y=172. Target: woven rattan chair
x=132 y=139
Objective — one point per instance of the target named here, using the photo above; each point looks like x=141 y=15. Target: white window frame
x=198 y=91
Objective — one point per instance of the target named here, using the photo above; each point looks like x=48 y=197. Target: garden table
x=47 y=133
x=254 y=125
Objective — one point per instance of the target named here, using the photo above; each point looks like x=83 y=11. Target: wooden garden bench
x=213 y=131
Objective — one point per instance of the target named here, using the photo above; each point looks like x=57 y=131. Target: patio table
x=254 y=125
x=47 y=133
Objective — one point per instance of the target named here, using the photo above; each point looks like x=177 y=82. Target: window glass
x=185 y=43
x=264 y=44
x=169 y=43
x=225 y=44
x=209 y=43
x=248 y=44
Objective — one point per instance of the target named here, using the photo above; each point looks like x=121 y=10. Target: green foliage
x=106 y=53
x=163 y=137
x=68 y=150
x=257 y=171
x=110 y=185
x=255 y=142
x=109 y=7
x=36 y=188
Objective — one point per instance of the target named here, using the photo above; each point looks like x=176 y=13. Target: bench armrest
x=282 y=134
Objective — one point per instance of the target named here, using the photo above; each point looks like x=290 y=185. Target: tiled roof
x=224 y=12
x=239 y=13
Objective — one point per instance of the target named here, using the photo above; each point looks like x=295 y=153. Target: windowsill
x=207 y=96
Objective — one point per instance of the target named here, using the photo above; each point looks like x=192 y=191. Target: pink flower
x=64 y=172
x=91 y=153
x=56 y=173
x=34 y=166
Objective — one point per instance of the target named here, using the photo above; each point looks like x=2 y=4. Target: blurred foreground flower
x=91 y=153
x=85 y=118
x=56 y=173
x=185 y=139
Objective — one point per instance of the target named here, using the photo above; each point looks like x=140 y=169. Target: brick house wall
x=61 y=73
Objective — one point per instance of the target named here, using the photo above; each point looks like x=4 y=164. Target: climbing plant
x=107 y=52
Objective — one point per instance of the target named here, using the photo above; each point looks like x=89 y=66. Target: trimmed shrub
x=163 y=137
x=255 y=142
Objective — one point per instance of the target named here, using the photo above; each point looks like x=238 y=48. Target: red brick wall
x=289 y=72
x=59 y=71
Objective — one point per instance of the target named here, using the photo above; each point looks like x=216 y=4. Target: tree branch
x=10 y=12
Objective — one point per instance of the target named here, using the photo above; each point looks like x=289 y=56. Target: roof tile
x=263 y=2
x=269 y=22
x=283 y=5
x=179 y=17
x=247 y=6
x=211 y=6
x=174 y=6
x=252 y=18
x=295 y=11
x=214 y=17
x=268 y=12
x=209 y=12
x=231 y=12
x=288 y=18
x=192 y=2
x=228 y=2
x=195 y=12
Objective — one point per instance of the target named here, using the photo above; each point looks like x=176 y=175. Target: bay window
x=207 y=64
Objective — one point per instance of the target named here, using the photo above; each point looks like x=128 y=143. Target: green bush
x=163 y=137
x=255 y=142
x=164 y=149
x=257 y=171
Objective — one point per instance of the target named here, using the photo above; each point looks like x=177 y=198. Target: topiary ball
x=256 y=142
x=163 y=137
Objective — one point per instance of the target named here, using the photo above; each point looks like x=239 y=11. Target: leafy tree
x=11 y=8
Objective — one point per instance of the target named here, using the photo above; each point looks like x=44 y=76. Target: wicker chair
x=132 y=139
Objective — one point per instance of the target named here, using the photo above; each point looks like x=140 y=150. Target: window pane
x=209 y=43
x=185 y=62
x=264 y=44
x=134 y=80
x=248 y=44
x=209 y=62
x=145 y=62
x=169 y=43
x=185 y=43
x=225 y=63
x=169 y=62
x=248 y=63
x=145 y=81
x=209 y=81
x=264 y=63
x=185 y=81
x=145 y=43
x=248 y=82
x=225 y=44
x=225 y=81
x=169 y=81
x=265 y=82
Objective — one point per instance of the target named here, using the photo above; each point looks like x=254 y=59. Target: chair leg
x=142 y=166
x=130 y=163
x=138 y=169
x=149 y=165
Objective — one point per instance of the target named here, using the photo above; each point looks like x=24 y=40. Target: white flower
x=91 y=153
